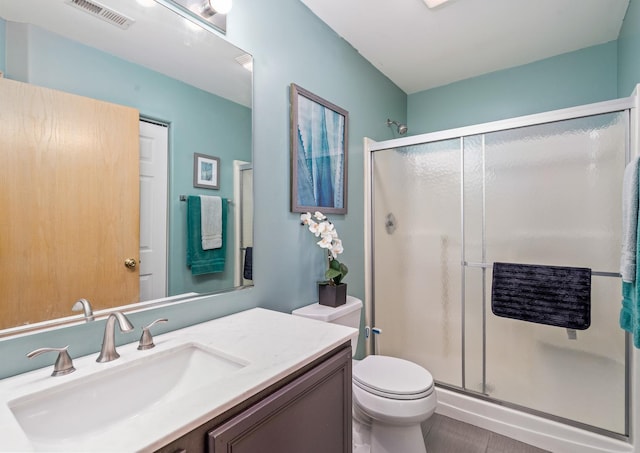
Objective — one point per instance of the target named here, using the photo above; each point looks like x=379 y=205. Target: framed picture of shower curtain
x=319 y=138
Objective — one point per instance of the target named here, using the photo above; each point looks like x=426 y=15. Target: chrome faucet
x=84 y=305
x=108 y=352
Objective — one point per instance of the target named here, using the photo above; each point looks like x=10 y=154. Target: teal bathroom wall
x=629 y=50
x=199 y=122
x=575 y=78
x=289 y=45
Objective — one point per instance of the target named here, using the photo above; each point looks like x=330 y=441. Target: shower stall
x=443 y=207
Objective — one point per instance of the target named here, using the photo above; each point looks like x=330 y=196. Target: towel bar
x=596 y=273
x=184 y=198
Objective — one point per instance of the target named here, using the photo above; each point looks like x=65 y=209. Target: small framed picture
x=206 y=171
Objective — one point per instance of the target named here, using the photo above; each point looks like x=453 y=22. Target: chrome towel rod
x=596 y=273
x=184 y=198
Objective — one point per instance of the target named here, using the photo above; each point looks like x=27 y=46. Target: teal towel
x=203 y=261
x=630 y=312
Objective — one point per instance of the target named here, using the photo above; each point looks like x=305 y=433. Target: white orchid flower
x=304 y=218
x=315 y=228
x=327 y=228
x=336 y=248
x=321 y=227
x=326 y=242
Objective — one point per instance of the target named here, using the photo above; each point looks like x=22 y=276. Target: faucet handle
x=146 y=340
x=63 y=365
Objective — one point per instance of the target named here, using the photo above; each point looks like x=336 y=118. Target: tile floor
x=446 y=435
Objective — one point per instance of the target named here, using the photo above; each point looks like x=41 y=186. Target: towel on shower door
x=553 y=295
x=203 y=261
x=630 y=312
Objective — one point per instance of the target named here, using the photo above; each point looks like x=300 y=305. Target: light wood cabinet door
x=69 y=203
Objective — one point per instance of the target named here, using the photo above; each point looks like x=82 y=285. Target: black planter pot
x=332 y=296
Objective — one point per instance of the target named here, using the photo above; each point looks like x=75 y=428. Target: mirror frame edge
x=75 y=320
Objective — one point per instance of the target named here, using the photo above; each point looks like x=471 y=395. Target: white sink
x=106 y=399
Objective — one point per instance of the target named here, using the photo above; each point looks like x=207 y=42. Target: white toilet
x=391 y=396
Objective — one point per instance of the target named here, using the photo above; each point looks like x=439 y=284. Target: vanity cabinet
x=309 y=411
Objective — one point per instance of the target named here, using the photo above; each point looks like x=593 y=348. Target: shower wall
x=444 y=211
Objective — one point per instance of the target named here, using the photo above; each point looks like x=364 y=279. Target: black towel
x=248 y=263
x=553 y=295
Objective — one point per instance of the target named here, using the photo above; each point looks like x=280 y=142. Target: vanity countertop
x=270 y=344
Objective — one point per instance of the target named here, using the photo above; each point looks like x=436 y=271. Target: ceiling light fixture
x=211 y=7
x=434 y=3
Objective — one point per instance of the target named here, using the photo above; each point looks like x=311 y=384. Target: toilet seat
x=392 y=378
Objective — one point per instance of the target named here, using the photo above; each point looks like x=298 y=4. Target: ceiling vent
x=102 y=12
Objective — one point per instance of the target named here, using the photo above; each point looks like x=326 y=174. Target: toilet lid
x=392 y=377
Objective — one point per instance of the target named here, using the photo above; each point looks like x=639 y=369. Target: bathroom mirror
x=185 y=80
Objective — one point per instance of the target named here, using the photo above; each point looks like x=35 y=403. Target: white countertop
x=272 y=344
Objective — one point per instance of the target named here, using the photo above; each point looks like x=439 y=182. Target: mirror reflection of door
x=243 y=221
x=70 y=163
x=154 y=142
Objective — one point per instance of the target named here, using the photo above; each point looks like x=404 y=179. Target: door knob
x=130 y=263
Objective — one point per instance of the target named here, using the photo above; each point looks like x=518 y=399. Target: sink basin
x=104 y=399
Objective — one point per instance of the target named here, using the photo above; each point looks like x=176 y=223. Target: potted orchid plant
x=331 y=292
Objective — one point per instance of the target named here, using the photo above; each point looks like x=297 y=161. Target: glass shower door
x=445 y=211
x=417 y=253
x=552 y=196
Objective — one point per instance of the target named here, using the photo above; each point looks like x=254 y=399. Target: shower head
x=402 y=128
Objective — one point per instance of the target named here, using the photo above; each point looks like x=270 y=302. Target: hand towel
x=203 y=261
x=248 y=264
x=629 y=221
x=211 y=222
x=553 y=295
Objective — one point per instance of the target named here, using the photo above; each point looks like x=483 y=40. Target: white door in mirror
x=154 y=139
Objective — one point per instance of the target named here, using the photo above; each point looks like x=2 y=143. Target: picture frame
x=206 y=171
x=319 y=154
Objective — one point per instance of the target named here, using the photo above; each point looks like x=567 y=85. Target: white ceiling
x=420 y=48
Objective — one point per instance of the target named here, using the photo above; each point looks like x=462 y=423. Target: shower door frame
x=629 y=105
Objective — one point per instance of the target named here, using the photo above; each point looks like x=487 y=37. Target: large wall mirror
x=170 y=89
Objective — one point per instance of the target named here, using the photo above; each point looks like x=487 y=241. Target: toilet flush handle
x=371 y=330
x=375 y=331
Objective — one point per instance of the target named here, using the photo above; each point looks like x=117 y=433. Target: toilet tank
x=345 y=315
